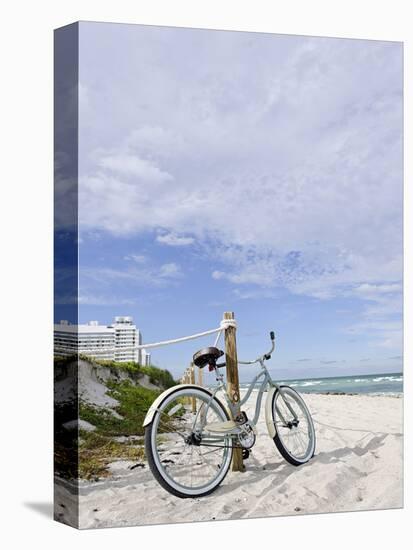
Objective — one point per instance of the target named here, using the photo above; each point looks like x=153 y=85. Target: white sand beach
x=358 y=465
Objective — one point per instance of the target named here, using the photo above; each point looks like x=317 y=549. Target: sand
x=358 y=466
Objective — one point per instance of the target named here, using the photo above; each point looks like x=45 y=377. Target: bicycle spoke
x=295 y=434
x=182 y=461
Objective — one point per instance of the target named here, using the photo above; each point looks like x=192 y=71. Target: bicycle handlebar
x=264 y=357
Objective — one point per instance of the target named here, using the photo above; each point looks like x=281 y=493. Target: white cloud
x=172 y=239
x=381 y=314
x=376 y=291
x=98 y=278
x=252 y=294
x=101 y=300
x=280 y=156
x=380 y=332
x=170 y=271
x=131 y=165
x=138 y=258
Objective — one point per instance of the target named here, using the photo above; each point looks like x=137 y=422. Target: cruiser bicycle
x=190 y=435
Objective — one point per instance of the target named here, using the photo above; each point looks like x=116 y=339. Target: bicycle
x=185 y=422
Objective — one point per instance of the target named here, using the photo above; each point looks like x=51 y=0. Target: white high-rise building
x=116 y=342
x=146 y=358
x=127 y=337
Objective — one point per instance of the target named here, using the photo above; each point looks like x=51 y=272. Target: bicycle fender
x=268 y=412
x=154 y=407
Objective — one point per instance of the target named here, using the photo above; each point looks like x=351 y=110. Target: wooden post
x=202 y=406
x=233 y=382
x=186 y=381
x=192 y=381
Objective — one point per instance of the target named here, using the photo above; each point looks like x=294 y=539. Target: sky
x=246 y=172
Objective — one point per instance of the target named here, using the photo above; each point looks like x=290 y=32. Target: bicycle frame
x=188 y=429
x=235 y=408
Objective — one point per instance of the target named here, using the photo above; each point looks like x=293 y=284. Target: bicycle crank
x=247 y=436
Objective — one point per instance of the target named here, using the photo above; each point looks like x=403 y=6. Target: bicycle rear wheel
x=173 y=443
x=294 y=428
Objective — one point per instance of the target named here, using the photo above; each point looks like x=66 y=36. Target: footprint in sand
x=226 y=509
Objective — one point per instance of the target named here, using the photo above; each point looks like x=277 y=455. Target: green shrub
x=159 y=377
x=90 y=455
x=134 y=402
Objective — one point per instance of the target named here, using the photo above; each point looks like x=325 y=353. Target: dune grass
x=97 y=451
x=87 y=454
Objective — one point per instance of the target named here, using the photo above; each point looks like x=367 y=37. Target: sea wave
x=379 y=383
x=310 y=383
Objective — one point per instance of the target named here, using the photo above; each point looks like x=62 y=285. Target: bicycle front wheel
x=177 y=457
x=294 y=428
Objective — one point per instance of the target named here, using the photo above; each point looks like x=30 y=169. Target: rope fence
x=225 y=323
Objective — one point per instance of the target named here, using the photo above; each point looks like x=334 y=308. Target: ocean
x=360 y=383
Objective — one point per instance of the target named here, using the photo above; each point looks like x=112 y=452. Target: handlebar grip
x=272 y=335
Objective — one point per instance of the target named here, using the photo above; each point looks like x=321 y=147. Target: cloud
x=132 y=165
x=253 y=294
x=381 y=315
x=170 y=271
x=172 y=239
x=143 y=276
x=138 y=258
x=101 y=300
x=280 y=156
x=391 y=339
x=375 y=291
x=381 y=332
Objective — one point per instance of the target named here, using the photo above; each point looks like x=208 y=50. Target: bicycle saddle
x=207 y=356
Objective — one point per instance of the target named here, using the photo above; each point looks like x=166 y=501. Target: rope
x=224 y=324
x=217 y=339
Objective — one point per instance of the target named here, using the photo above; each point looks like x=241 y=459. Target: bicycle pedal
x=245 y=454
x=242 y=418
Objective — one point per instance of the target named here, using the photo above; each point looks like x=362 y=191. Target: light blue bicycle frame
x=235 y=408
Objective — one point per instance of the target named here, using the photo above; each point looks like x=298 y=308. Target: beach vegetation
x=158 y=377
x=117 y=430
x=97 y=451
